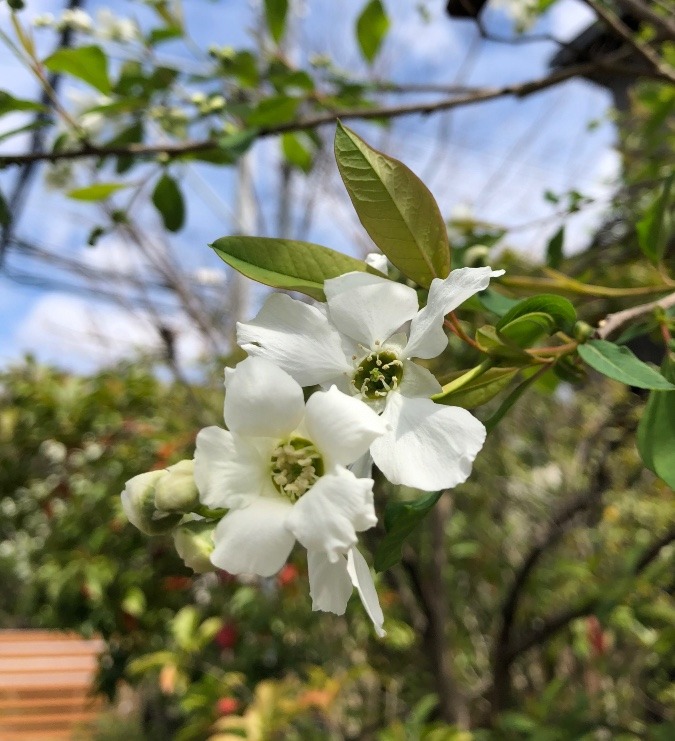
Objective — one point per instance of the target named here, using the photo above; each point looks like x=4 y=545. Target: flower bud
x=175 y=490
x=194 y=544
x=138 y=503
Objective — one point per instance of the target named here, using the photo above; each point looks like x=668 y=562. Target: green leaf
x=559 y=309
x=656 y=225
x=277 y=109
x=296 y=152
x=497 y=346
x=496 y=302
x=5 y=215
x=554 y=249
x=96 y=192
x=620 y=364
x=525 y=330
x=656 y=431
x=238 y=142
x=400 y=519
x=371 y=28
x=9 y=104
x=165 y=33
x=169 y=202
x=275 y=15
x=480 y=390
x=395 y=207
x=287 y=264
x=87 y=63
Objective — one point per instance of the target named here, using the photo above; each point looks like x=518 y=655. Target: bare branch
x=477 y=95
x=613 y=322
x=646 y=52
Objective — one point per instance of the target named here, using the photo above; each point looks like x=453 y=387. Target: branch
x=556 y=623
x=642 y=10
x=478 y=95
x=612 y=322
x=648 y=54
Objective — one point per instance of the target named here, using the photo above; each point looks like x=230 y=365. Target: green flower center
x=296 y=466
x=378 y=374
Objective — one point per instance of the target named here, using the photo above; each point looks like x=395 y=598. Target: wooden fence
x=45 y=685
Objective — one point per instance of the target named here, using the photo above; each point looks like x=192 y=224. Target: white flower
x=362 y=340
x=281 y=470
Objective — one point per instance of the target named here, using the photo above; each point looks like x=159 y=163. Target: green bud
x=138 y=503
x=176 y=490
x=582 y=331
x=194 y=544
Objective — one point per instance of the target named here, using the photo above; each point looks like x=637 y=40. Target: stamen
x=296 y=465
x=378 y=373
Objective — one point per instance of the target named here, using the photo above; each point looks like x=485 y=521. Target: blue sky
x=496 y=159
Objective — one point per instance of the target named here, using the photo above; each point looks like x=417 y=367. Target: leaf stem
x=457 y=383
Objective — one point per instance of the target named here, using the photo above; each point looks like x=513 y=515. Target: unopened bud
x=194 y=544
x=582 y=331
x=138 y=503
x=176 y=490
x=476 y=256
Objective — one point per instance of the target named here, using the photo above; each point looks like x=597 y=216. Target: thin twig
x=612 y=322
x=478 y=95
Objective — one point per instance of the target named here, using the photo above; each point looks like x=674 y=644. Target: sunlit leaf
x=480 y=390
x=371 y=28
x=87 y=63
x=395 y=207
x=96 y=192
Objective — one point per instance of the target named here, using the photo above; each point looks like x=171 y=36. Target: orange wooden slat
x=59 y=700
x=52 y=648
x=51 y=735
x=55 y=679
x=46 y=664
x=46 y=720
x=39 y=635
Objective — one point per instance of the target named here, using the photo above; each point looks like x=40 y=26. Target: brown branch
x=646 y=52
x=556 y=623
x=478 y=95
x=612 y=322
x=643 y=11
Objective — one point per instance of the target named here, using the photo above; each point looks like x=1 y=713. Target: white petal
x=418 y=381
x=427 y=338
x=262 y=400
x=229 y=470
x=431 y=446
x=342 y=427
x=330 y=586
x=297 y=337
x=363 y=581
x=363 y=467
x=377 y=260
x=254 y=539
x=368 y=308
x=330 y=514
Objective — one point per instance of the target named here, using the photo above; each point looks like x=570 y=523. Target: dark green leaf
x=283 y=263
x=480 y=390
x=9 y=104
x=400 y=519
x=167 y=33
x=275 y=15
x=237 y=143
x=96 y=192
x=554 y=249
x=656 y=225
x=87 y=63
x=371 y=28
x=16 y=4
x=296 y=152
x=495 y=302
x=656 y=431
x=169 y=202
x=5 y=215
x=620 y=364
x=559 y=309
x=395 y=207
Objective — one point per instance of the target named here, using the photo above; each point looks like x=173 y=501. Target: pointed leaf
x=275 y=15
x=371 y=28
x=525 y=330
x=96 y=192
x=9 y=104
x=620 y=364
x=656 y=431
x=656 y=225
x=480 y=390
x=287 y=264
x=87 y=63
x=169 y=202
x=400 y=519
x=395 y=207
x=554 y=249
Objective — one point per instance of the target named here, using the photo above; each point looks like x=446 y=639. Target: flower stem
x=209 y=514
x=458 y=383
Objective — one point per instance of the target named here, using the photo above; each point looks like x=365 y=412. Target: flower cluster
x=288 y=470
